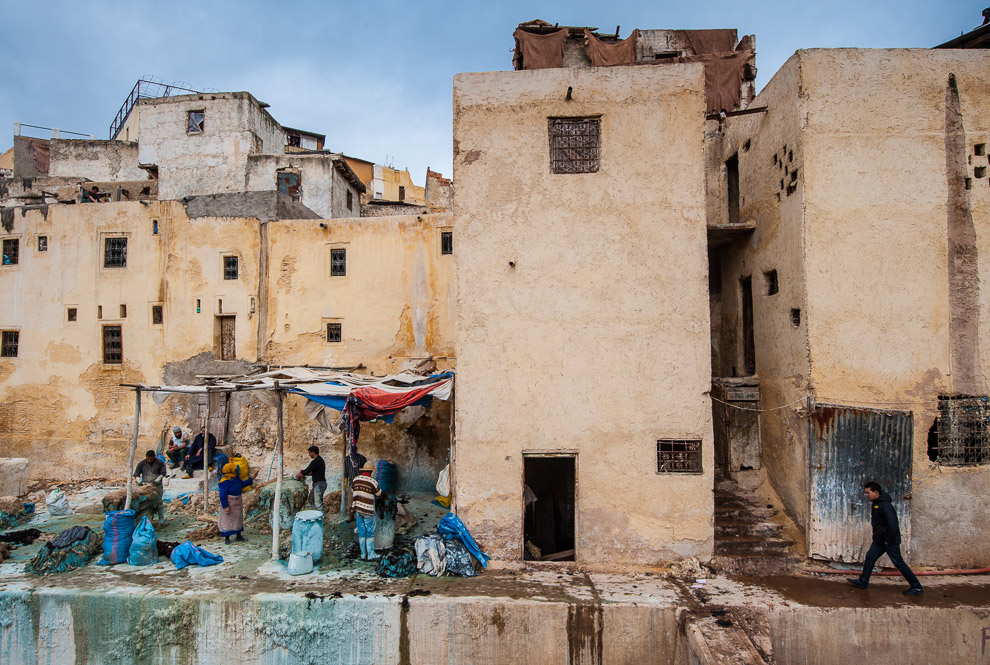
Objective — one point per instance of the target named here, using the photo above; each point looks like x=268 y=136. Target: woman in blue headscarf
x=231 y=518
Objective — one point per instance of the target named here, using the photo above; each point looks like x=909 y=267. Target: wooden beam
x=134 y=439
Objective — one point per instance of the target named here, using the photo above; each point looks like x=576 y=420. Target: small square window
x=230 y=267
x=980 y=172
x=113 y=347
x=678 y=456
x=157 y=315
x=338 y=262
x=123 y=311
x=71 y=314
x=42 y=243
x=796 y=317
x=11 y=251
x=9 y=342
x=402 y=193
x=574 y=145
x=196 y=122
x=771 y=279
x=115 y=253
x=446 y=242
x=350 y=200
x=334 y=333
x=980 y=149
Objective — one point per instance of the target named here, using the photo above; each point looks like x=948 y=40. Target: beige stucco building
x=582 y=313
x=865 y=184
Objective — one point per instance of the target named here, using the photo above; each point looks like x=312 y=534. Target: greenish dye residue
x=18 y=627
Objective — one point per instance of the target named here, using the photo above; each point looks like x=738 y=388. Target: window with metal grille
x=71 y=314
x=115 y=253
x=447 y=242
x=334 y=333
x=678 y=456
x=574 y=145
x=8 y=343
x=42 y=243
x=338 y=262
x=196 y=123
x=230 y=266
x=113 y=346
x=963 y=431
x=157 y=315
x=11 y=251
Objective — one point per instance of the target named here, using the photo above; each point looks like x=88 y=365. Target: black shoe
x=913 y=591
x=241 y=539
x=226 y=540
x=856 y=582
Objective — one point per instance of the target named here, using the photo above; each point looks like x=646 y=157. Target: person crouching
x=365 y=490
x=231 y=519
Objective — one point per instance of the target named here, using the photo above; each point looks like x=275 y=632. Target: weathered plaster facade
x=877 y=155
x=95 y=160
x=62 y=405
x=582 y=307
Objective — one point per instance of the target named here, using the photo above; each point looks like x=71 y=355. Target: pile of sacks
x=69 y=550
x=450 y=550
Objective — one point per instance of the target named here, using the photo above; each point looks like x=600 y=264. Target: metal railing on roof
x=145 y=89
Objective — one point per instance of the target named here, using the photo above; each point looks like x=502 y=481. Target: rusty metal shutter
x=850 y=445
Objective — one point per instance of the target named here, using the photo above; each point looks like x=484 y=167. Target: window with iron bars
x=338 y=262
x=574 y=145
x=334 y=332
x=961 y=432
x=230 y=267
x=113 y=346
x=9 y=341
x=678 y=456
x=157 y=315
x=42 y=243
x=446 y=242
x=11 y=251
x=115 y=253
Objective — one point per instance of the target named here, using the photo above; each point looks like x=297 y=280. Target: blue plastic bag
x=144 y=545
x=188 y=554
x=117 y=531
x=450 y=525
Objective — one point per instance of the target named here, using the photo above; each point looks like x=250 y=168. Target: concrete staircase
x=747 y=541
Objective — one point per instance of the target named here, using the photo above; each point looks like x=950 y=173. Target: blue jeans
x=365 y=526
x=894 y=552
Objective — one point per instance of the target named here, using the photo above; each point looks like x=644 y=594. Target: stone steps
x=746 y=541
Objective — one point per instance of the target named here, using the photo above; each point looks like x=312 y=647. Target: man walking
x=318 y=469
x=886 y=540
x=365 y=490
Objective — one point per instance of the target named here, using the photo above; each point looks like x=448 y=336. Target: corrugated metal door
x=850 y=445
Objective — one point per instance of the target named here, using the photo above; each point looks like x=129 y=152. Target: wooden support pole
x=343 y=478
x=134 y=439
x=276 y=503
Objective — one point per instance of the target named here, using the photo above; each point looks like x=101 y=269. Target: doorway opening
x=549 y=504
x=226 y=347
x=748 y=339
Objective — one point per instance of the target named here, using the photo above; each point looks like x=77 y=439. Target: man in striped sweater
x=365 y=489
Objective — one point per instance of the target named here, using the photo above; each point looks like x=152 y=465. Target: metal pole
x=134 y=438
x=276 y=504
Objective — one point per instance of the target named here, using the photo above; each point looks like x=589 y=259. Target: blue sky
x=375 y=77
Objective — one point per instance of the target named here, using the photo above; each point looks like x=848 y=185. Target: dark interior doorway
x=748 y=339
x=548 y=529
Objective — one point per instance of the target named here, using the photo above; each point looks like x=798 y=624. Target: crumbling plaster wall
x=62 y=407
x=99 y=161
x=582 y=307
x=340 y=186
x=877 y=251
x=782 y=357
x=211 y=162
x=317 y=175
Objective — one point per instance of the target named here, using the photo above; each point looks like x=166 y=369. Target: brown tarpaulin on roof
x=539 y=51
x=40 y=155
x=723 y=78
x=710 y=41
x=604 y=54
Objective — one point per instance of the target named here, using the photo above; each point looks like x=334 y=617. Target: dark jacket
x=884 y=519
x=318 y=469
